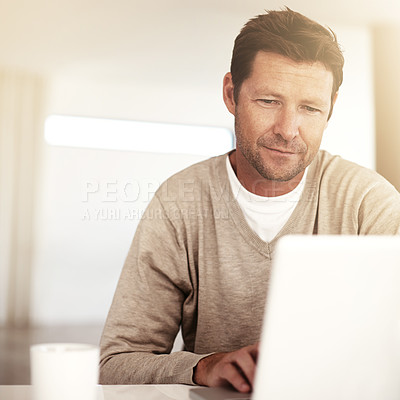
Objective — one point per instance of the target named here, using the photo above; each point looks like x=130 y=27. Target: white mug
x=64 y=371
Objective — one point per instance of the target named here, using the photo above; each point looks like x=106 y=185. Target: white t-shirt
x=265 y=215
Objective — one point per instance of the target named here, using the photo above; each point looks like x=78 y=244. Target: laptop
x=332 y=322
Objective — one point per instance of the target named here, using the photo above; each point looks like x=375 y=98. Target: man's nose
x=287 y=123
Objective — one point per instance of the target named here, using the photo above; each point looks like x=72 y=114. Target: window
x=99 y=133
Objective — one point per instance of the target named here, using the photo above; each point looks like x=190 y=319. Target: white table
x=111 y=392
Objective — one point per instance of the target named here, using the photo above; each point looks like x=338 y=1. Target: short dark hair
x=290 y=34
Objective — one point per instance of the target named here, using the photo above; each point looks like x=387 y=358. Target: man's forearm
x=143 y=368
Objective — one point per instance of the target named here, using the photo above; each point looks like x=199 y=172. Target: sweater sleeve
x=146 y=311
x=379 y=211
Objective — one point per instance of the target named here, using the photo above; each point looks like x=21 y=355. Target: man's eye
x=311 y=109
x=268 y=101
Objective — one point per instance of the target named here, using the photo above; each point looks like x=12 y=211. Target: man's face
x=280 y=115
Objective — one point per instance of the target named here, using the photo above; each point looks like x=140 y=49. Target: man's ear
x=229 y=99
x=334 y=98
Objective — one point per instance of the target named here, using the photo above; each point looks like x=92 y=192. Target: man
x=201 y=256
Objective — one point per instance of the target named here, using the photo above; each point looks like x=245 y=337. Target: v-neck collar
x=266 y=248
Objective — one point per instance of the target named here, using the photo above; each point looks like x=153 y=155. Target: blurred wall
x=21 y=132
x=387 y=100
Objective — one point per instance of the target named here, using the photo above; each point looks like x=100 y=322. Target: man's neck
x=252 y=181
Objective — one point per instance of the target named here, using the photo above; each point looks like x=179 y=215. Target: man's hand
x=236 y=368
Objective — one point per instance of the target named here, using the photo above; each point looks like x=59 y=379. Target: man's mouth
x=281 y=151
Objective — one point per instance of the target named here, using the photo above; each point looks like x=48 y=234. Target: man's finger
x=247 y=365
x=232 y=374
x=253 y=350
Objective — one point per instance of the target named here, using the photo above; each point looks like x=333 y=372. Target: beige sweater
x=195 y=263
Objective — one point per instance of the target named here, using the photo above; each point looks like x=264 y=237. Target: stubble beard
x=285 y=171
